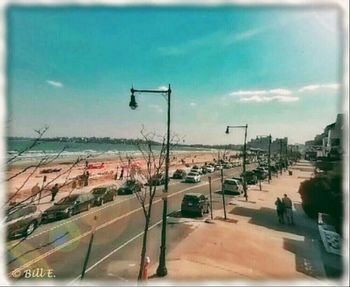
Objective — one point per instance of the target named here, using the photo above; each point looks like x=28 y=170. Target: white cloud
x=55 y=84
x=277 y=95
x=193 y=104
x=163 y=88
x=263 y=96
x=156 y=108
x=317 y=87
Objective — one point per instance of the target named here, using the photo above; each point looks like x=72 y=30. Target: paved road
x=62 y=245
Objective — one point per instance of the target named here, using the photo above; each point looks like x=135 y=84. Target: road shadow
x=305 y=260
x=229 y=220
x=249 y=201
x=13 y=259
x=227 y=193
x=266 y=217
x=188 y=215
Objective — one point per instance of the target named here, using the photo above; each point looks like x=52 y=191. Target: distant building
x=262 y=143
x=329 y=143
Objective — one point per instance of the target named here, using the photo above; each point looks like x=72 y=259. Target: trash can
x=290 y=172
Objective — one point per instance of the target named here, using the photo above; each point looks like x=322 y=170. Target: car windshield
x=230 y=182
x=68 y=199
x=192 y=174
x=190 y=198
x=100 y=190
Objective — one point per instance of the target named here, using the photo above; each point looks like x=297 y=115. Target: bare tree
x=154 y=160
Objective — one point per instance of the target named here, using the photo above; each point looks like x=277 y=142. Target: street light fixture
x=244 y=155
x=161 y=270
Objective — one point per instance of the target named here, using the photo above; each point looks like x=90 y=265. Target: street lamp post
x=244 y=154
x=161 y=270
x=280 y=140
x=269 y=156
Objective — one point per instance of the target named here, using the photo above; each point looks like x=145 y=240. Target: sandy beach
x=101 y=170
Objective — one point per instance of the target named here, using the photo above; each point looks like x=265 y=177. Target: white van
x=232 y=186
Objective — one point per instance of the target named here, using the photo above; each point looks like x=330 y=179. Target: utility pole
x=223 y=192
x=244 y=163
x=211 y=199
x=244 y=155
x=280 y=140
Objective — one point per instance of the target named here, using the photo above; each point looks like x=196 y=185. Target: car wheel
x=30 y=228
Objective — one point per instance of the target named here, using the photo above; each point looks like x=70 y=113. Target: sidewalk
x=252 y=245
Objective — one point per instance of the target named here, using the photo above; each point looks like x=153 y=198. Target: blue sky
x=275 y=69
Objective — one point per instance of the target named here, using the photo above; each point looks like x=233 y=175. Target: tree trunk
x=144 y=247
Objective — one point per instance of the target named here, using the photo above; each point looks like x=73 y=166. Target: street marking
x=114 y=251
x=48 y=253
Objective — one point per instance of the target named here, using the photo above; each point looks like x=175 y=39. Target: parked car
x=193 y=177
x=103 y=194
x=22 y=220
x=195 y=203
x=130 y=187
x=210 y=168
x=250 y=177
x=239 y=179
x=227 y=165
x=68 y=206
x=218 y=167
x=157 y=179
x=204 y=169
x=197 y=169
x=179 y=174
x=260 y=173
x=232 y=186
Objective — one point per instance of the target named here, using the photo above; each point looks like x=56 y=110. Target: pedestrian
x=121 y=174
x=35 y=191
x=86 y=178
x=280 y=210
x=54 y=191
x=288 y=205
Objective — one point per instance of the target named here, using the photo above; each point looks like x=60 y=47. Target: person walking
x=121 y=174
x=280 y=210
x=34 y=192
x=86 y=178
x=288 y=209
x=54 y=191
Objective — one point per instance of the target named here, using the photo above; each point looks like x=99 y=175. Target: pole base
x=162 y=271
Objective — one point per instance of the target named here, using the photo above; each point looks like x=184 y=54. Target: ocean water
x=74 y=150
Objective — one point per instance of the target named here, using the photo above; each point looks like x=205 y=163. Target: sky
x=276 y=69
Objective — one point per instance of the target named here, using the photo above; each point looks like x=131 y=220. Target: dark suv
x=179 y=174
x=103 y=194
x=195 y=203
x=130 y=187
x=22 y=220
x=157 y=179
x=250 y=177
